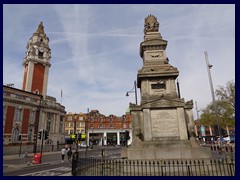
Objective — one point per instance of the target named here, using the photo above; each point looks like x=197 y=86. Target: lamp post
x=86 y=131
x=134 y=89
x=213 y=96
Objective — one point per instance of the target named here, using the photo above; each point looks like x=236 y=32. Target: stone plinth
x=167 y=150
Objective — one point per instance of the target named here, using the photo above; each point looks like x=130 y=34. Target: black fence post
x=74 y=167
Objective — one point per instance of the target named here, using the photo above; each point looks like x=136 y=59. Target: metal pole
x=20 y=149
x=43 y=136
x=86 y=132
x=197 y=111
x=213 y=96
x=179 y=96
x=198 y=119
x=135 y=86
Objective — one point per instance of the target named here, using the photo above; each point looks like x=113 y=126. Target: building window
x=66 y=124
x=111 y=126
x=30 y=133
x=91 y=119
x=15 y=135
x=78 y=125
x=83 y=125
x=100 y=126
x=160 y=85
x=49 y=117
x=66 y=131
x=32 y=117
x=18 y=114
x=69 y=118
x=71 y=131
x=48 y=127
x=91 y=126
x=80 y=118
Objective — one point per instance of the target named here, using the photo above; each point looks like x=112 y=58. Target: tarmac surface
x=14 y=162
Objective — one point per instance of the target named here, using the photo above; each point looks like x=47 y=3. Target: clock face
x=41 y=49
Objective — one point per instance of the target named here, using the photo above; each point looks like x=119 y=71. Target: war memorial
x=163 y=122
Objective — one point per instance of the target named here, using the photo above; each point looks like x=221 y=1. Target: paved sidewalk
x=16 y=156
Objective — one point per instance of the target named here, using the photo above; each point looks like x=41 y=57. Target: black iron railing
x=123 y=167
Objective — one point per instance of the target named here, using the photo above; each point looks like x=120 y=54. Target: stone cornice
x=45 y=63
x=154 y=44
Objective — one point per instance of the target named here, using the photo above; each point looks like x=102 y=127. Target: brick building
x=99 y=129
x=30 y=109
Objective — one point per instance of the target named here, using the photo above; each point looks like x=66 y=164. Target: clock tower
x=37 y=63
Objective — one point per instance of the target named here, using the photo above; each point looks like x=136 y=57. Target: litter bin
x=37 y=159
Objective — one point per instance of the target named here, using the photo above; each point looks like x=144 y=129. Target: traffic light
x=40 y=135
x=73 y=137
x=19 y=137
x=83 y=137
x=46 y=135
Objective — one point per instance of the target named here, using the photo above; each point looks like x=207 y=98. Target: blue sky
x=95 y=49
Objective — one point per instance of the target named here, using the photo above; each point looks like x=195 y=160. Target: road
x=51 y=162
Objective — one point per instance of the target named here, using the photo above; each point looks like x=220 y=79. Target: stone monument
x=163 y=122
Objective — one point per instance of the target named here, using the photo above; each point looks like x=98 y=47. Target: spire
x=40 y=28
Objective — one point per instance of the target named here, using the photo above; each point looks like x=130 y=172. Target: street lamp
x=134 y=89
x=213 y=96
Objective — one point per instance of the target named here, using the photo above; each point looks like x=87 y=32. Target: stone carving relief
x=171 y=68
x=31 y=51
x=151 y=24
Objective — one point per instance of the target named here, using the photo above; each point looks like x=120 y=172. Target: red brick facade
x=38 y=78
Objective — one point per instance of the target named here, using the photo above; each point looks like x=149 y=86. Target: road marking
x=49 y=172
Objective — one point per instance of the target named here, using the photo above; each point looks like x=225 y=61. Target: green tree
x=225 y=102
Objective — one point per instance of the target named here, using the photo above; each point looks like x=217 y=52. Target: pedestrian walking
x=63 y=152
x=69 y=154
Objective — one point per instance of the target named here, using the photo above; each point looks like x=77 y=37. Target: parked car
x=82 y=145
